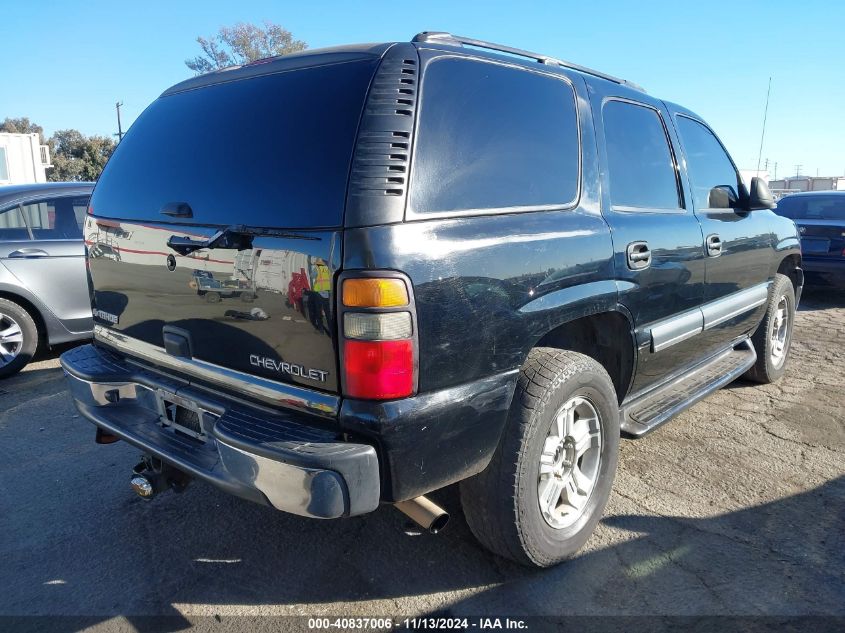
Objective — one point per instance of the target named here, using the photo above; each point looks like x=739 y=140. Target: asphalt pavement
x=737 y=507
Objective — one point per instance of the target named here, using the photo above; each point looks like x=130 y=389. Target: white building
x=809 y=183
x=23 y=159
x=748 y=174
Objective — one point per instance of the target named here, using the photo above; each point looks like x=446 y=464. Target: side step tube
x=647 y=412
x=425 y=513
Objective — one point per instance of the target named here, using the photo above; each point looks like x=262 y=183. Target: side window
x=52 y=219
x=494 y=137
x=715 y=182
x=640 y=164
x=12 y=225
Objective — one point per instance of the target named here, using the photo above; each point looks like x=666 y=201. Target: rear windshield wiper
x=231 y=237
x=238 y=237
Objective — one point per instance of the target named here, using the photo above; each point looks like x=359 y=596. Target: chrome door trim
x=679 y=328
x=676 y=329
x=725 y=309
x=267 y=391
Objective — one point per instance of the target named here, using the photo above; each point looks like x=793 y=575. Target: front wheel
x=547 y=485
x=18 y=338
x=773 y=337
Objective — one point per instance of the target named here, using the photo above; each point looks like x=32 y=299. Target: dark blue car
x=820 y=217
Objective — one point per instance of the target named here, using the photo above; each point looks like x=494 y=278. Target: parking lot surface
x=735 y=507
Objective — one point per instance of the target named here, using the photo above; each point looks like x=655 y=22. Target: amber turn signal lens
x=374 y=293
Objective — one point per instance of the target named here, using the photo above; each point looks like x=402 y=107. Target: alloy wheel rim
x=569 y=463
x=11 y=339
x=779 y=336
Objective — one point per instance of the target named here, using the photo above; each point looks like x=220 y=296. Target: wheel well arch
x=30 y=307
x=791 y=267
x=606 y=337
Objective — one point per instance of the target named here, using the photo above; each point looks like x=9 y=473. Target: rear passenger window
x=709 y=167
x=12 y=226
x=52 y=219
x=494 y=137
x=640 y=165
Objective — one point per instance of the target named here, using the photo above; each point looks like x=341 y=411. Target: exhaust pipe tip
x=439 y=523
x=425 y=513
x=142 y=486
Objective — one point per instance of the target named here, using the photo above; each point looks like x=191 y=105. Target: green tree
x=22 y=125
x=241 y=44
x=78 y=157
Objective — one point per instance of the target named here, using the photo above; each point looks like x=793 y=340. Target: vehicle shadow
x=821 y=298
x=111 y=554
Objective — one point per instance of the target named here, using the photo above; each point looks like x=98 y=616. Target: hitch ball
x=142 y=486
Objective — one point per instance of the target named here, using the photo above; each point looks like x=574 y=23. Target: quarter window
x=494 y=137
x=715 y=182
x=12 y=226
x=640 y=164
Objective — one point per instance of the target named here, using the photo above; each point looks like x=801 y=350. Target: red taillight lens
x=379 y=370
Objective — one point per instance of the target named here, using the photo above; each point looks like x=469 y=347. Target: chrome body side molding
x=261 y=389
x=686 y=325
x=676 y=329
x=733 y=305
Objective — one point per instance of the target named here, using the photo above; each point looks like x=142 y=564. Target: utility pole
x=775 y=177
x=763 y=133
x=119 y=134
x=798 y=170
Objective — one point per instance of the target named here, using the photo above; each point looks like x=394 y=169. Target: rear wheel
x=548 y=483
x=773 y=338
x=18 y=338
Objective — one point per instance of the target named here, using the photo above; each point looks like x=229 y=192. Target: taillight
x=378 y=355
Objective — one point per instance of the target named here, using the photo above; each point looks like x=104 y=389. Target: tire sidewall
x=30 y=337
x=544 y=544
x=782 y=287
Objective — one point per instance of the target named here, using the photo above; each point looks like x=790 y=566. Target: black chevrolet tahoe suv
x=352 y=276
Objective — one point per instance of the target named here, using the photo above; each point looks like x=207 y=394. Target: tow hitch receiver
x=152 y=476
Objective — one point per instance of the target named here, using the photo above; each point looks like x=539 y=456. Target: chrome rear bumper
x=279 y=458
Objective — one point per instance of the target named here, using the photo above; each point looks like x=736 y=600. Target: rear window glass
x=812 y=207
x=272 y=151
x=493 y=137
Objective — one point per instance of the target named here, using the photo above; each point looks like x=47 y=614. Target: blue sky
x=65 y=64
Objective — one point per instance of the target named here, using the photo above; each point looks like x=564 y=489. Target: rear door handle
x=28 y=253
x=714 y=245
x=639 y=255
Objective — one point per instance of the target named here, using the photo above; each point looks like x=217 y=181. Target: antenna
x=763 y=134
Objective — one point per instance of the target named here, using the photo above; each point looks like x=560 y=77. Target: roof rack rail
x=441 y=37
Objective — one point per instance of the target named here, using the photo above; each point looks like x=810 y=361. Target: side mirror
x=759 y=196
x=722 y=197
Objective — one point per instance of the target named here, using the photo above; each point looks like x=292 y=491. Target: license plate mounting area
x=183 y=416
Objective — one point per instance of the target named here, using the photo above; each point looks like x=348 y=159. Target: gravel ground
x=737 y=507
